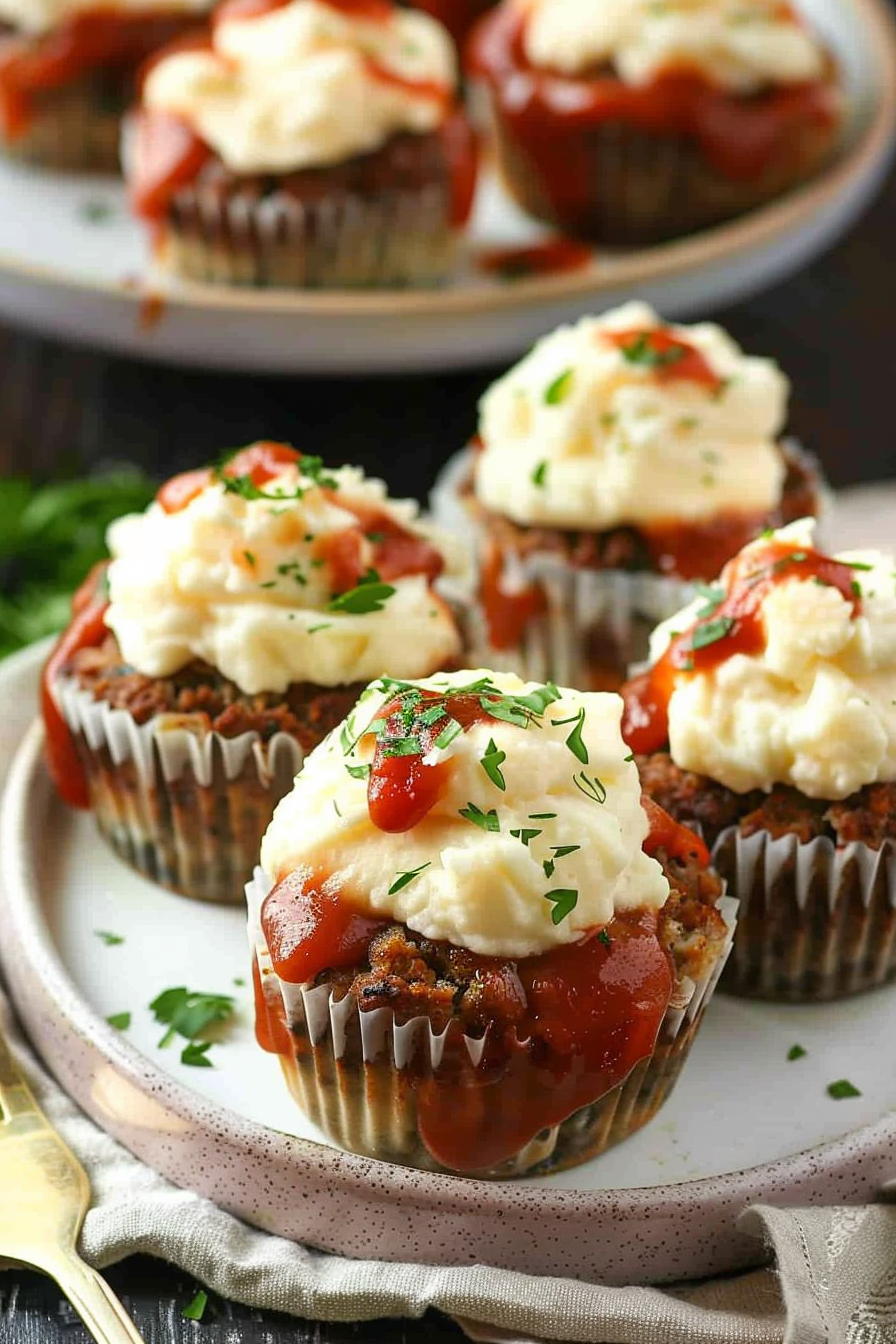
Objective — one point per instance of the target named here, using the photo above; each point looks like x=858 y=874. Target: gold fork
x=44 y=1195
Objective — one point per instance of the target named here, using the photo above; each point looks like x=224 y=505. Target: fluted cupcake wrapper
x=75 y=128
x=182 y=804
x=817 y=921
x=401 y=238
x=356 y=1074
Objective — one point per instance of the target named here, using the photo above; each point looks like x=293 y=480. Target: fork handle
x=94 y=1301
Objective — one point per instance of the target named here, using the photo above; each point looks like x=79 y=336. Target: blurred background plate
x=73 y=262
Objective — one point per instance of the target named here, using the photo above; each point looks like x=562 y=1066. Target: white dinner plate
x=74 y=263
x=744 y=1124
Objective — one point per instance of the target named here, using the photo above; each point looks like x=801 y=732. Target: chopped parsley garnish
x=120 y=1021
x=539 y=475
x=604 y=937
x=359 y=771
x=858 y=564
x=95 y=212
x=402 y=746
x=403 y=878
x=451 y=730
x=856 y=588
x=195 y=1310
x=313 y=629
x=524 y=834
x=369 y=595
x=564 y=901
x=842 y=1088
x=271 y=583
x=592 y=788
x=711 y=632
x=714 y=594
x=608 y=419
x=486 y=821
x=110 y=939
x=559 y=388
x=539 y=699
x=312 y=468
x=239 y=981
x=249 y=558
x=491 y=763
x=640 y=350
x=336 y=808
x=629 y=757
x=574 y=741
x=687 y=422
x=561 y=851
x=796 y=1052
x=195 y=1053
x=542 y=816
x=188 y=1012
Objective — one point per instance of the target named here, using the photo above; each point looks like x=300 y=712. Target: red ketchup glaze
x=552 y=257
x=378 y=542
x=593 y=1011
x=461 y=148
x=374 y=11
x=736 y=621
x=310 y=926
x=674 y=359
x=261 y=462
x=506 y=614
x=401 y=790
x=700 y=550
x=168 y=155
x=86 y=630
x=271 y=1030
x=667 y=834
x=551 y=115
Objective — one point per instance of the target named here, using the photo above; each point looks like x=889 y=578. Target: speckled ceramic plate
x=744 y=1124
x=73 y=262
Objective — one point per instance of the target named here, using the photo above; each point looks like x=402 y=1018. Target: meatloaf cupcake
x=618 y=462
x=235 y=625
x=767 y=719
x=68 y=71
x=632 y=121
x=313 y=143
x=477 y=951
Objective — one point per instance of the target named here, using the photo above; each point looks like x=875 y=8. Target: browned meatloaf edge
x=305 y=710
x=414 y=976
x=695 y=800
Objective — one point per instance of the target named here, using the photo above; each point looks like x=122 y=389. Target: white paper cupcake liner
x=351 y=1074
x=400 y=239
x=817 y=921
x=185 y=806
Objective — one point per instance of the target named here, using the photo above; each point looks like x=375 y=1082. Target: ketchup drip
x=700 y=550
x=594 y=1009
x=458 y=16
x=310 y=926
x=396 y=552
x=506 y=614
x=401 y=788
x=734 y=626
x=86 y=630
x=669 y=358
x=552 y=116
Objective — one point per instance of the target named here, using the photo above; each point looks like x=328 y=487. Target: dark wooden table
x=833 y=329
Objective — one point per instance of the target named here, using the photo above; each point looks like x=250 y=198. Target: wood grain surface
x=832 y=328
